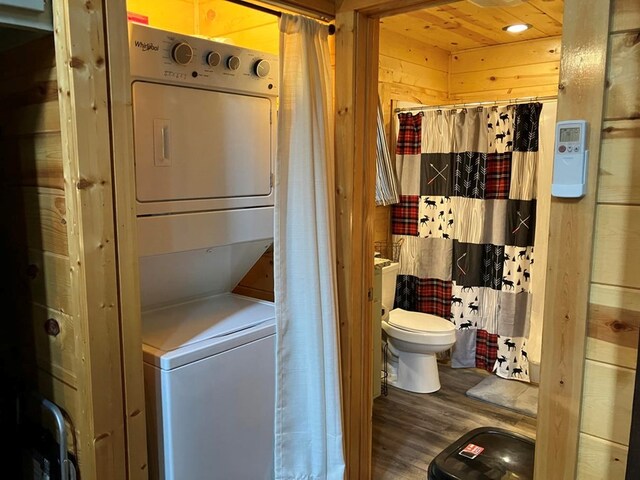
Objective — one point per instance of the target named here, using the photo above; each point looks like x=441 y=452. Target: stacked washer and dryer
x=204 y=130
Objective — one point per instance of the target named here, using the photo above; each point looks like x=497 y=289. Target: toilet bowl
x=414 y=338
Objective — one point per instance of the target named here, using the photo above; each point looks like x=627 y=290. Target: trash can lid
x=485 y=454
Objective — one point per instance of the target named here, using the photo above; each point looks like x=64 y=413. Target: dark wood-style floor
x=410 y=429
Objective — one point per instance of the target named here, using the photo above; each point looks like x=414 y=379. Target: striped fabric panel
x=386 y=181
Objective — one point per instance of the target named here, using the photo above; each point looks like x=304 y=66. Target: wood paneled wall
x=174 y=15
x=35 y=237
x=502 y=72
x=411 y=71
x=63 y=304
x=258 y=282
x=414 y=72
x=382 y=224
x=217 y=19
x=243 y=26
x=614 y=313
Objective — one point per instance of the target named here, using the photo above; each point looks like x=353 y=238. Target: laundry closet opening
x=204 y=86
x=469 y=111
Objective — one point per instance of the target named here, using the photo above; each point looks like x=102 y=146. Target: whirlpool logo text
x=147 y=46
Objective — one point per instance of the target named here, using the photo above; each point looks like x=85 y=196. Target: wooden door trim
x=571 y=231
x=121 y=123
x=86 y=151
x=356 y=101
x=572 y=226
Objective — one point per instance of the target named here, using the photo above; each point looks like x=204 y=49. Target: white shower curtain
x=308 y=420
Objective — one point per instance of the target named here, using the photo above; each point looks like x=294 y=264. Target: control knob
x=262 y=68
x=182 y=53
x=213 y=59
x=233 y=62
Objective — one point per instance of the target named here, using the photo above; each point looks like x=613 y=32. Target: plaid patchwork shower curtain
x=467 y=216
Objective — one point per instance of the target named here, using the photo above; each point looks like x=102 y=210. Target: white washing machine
x=204 y=131
x=209 y=373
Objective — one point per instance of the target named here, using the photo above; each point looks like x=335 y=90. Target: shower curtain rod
x=478 y=104
x=260 y=8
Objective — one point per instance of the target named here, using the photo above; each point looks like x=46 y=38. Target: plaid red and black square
x=498 y=178
x=404 y=215
x=486 y=350
x=409 y=134
x=434 y=297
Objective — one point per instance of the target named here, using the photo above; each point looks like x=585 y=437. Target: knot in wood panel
x=75 y=62
x=618 y=326
x=103 y=437
x=84 y=183
x=52 y=327
x=32 y=271
x=633 y=39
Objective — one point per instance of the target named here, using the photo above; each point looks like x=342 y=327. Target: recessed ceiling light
x=517 y=28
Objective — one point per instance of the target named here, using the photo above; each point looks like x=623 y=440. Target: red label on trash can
x=471 y=451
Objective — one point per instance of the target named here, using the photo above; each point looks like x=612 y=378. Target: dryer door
x=194 y=145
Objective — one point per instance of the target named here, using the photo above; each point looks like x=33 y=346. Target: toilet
x=414 y=338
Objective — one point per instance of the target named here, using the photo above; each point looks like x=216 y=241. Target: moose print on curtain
x=467 y=215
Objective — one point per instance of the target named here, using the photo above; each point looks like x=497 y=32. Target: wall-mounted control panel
x=158 y=55
x=571 y=159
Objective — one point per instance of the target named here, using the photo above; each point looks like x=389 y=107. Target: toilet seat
x=417 y=322
x=434 y=330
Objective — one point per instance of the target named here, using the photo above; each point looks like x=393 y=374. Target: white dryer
x=204 y=130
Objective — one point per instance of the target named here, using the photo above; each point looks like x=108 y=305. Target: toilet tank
x=389 y=274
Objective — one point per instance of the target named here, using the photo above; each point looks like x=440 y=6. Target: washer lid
x=189 y=331
x=419 y=322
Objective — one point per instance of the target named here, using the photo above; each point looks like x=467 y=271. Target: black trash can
x=485 y=454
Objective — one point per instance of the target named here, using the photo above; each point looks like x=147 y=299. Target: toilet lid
x=419 y=322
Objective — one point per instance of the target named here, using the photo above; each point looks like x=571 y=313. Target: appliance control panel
x=166 y=57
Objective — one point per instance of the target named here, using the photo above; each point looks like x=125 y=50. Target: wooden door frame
x=86 y=152
x=123 y=168
x=581 y=95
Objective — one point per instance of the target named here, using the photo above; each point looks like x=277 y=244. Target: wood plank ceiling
x=464 y=25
